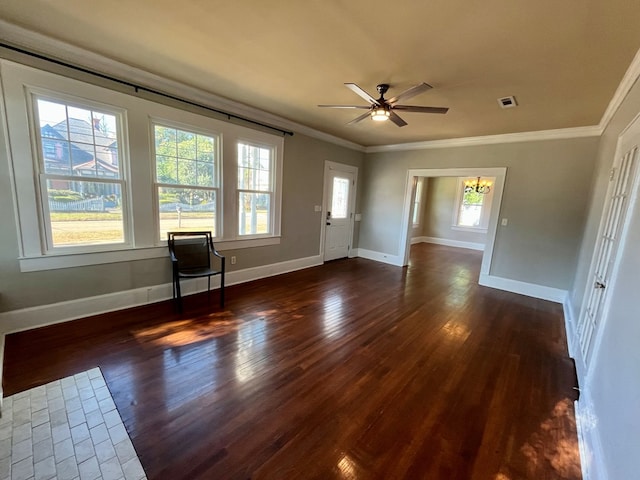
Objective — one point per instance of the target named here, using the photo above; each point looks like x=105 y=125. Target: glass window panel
x=56 y=157
x=166 y=169
x=470 y=215
x=254 y=213
x=81 y=154
x=187 y=172
x=340 y=197
x=53 y=119
x=184 y=209
x=205 y=144
x=166 y=141
x=85 y=213
x=80 y=125
x=186 y=145
x=205 y=175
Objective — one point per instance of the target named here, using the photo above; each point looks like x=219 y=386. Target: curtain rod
x=138 y=88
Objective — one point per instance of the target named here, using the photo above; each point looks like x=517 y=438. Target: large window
x=81 y=176
x=187 y=180
x=100 y=176
x=255 y=189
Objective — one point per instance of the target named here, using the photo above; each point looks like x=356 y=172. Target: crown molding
x=65 y=52
x=628 y=80
x=562 y=133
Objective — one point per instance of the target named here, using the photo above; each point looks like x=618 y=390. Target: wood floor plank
x=351 y=370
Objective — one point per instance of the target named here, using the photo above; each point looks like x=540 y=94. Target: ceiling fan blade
x=412 y=108
x=346 y=106
x=360 y=118
x=412 y=92
x=360 y=92
x=396 y=119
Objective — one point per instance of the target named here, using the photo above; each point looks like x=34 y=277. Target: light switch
x=317 y=208
x=358 y=217
x=505 y=222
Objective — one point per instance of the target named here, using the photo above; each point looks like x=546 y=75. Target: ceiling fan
x=383 y=109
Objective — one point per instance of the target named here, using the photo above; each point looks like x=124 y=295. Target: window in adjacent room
x=187 y=180
x=417 y=202
x=472 y=208
x=255 y=189
x=81 y=175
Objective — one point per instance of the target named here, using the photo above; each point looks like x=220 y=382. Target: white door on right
x=338 y=215
x=612 y=227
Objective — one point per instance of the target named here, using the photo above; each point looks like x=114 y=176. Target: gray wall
x=612 y=388
x=440 y=203
x=546 y=211
x=304 y=159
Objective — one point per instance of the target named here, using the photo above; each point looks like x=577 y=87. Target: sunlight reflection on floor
x=556 y=443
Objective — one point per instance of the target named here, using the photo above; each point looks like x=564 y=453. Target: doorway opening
x=499 y=173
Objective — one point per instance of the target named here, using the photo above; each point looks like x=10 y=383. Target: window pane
x=254 y=213
x=85 y=213
x=340 y=197
x=186 y=145
x=166 y=169
x=254 y=168
x=78 y=141
x=186 y=209
x=470 y=215
x=185 y=157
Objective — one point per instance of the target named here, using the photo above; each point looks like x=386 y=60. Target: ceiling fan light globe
x=379 y=115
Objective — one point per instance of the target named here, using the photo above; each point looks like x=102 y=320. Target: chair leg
x=178 y=294
x=222 y=291
x=209 y=290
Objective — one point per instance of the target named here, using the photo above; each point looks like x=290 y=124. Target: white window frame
x=485 y=211
x=270 y=192
x=142 y=230
x=33 y=94
x=218 y=188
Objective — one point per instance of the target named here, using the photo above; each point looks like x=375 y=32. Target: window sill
x=469 y=229
x=58 y=261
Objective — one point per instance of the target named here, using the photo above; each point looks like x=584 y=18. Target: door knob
x=600 y=285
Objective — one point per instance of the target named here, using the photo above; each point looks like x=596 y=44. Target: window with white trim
x=187 y=165
x=255 y=189
x=472 y=208
x=95 y=169
x=417 y=202
x=81 y=179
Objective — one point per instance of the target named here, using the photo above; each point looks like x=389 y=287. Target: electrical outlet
x=233 y=260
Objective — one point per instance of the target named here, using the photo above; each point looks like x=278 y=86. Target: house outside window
x=187 y=169
x=472 y=209
x=81 y=183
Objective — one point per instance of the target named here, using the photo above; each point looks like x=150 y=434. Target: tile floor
x=66 y=430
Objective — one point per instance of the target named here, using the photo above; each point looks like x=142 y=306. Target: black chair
x=191 y=256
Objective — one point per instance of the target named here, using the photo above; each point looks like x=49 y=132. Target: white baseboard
x=42 y=315
x=380 y=257
x=448 y=242
x=524 y=288
x=590 y=446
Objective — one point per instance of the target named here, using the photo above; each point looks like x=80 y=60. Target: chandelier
x=479 y=186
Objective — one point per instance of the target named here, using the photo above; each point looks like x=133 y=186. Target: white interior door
x=339 y=215
x=613 y=221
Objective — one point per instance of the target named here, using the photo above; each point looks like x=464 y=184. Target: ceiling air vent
x=507 y=102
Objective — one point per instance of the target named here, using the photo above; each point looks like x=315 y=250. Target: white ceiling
x=562 y=60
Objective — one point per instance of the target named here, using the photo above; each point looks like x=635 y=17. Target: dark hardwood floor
x=351 y=370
